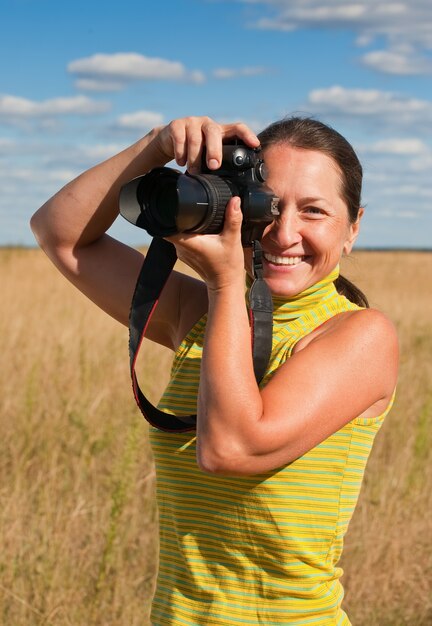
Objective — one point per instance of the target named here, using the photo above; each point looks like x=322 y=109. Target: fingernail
x=213 y=164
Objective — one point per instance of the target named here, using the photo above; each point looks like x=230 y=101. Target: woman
x=253 y=507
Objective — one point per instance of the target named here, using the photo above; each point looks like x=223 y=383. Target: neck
x=287 y=308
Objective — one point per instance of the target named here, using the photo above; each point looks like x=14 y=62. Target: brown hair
x=311 y=134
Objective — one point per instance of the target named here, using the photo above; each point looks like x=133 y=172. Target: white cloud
x=111 y=72
x=423 y=164
x=396 y=22
x=408 y=215
x=139 y=120
x=383 y=106
x=399 y=146
x=413 y=191
x=42 y=177
x=399 y=62
x=79 y=157
x=389 y=213
x=16 y=108
x=100 y=152
x=392 y=181
x=7 y=146
x=196 y=76
x=397 y=185
x=223 y=73
x=98 y=85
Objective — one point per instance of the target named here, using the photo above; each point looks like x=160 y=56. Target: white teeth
x=283 y=260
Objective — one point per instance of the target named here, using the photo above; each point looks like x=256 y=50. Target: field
x=77 y=510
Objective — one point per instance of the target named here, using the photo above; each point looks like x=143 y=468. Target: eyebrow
x=313 y=199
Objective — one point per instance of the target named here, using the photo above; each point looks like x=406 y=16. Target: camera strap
x=157 y=266
x=260 y=315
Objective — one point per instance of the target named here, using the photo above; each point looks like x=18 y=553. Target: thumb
x=233 y=215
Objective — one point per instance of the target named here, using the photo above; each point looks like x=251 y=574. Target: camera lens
x=165 y=202
x=162 y=205
x=202 y=202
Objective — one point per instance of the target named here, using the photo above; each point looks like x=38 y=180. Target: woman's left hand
x=219 y=258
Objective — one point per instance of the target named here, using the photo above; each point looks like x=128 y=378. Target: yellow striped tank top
x=257 y=549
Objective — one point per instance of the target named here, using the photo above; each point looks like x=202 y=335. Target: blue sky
x=81 y=80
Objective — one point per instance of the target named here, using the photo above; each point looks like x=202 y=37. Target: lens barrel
x=204 y=196
x=165 y=202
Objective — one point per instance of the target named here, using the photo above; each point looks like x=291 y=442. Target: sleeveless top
x=259 y=549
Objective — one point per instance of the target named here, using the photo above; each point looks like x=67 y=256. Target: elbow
x=225 y=460
x=34 y=226
x=208 y=459
x=226 y=455
x=220 y=467
x=39 y=228
x=207 y=465
x=46 y=235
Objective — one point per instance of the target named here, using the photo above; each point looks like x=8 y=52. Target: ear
x=353 y=232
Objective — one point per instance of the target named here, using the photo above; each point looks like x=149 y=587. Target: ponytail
x=346 y=288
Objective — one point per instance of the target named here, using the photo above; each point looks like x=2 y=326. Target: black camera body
x=165 y=201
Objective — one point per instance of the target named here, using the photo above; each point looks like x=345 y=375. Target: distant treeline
x=383 y=249
x=356 y=249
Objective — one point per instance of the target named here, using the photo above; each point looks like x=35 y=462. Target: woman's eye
x=314 y=210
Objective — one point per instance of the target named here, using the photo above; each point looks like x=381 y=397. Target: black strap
x=261 y=313
x=157 y=266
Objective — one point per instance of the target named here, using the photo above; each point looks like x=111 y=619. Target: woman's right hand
x=183 y=140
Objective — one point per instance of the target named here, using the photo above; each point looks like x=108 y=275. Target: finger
x=241 y=131
x=195 y=142
x=177 y=130
x=215 y=135
x=233 y=217
x=212 y=133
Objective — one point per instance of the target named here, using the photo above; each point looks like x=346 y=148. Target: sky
x=82 y=80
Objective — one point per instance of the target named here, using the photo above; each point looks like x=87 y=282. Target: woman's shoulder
x=371 y=322
x=372 y=332
x=364 y=343
x=370 y=327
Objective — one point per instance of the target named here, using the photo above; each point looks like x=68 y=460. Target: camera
x=165 y=201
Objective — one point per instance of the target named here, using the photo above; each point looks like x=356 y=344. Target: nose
x=285 y=230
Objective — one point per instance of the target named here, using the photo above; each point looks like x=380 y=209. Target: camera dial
x=241 y=159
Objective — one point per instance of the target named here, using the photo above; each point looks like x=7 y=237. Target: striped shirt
x=259 y=549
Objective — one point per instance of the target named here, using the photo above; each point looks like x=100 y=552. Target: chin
x=288 y=281
x=284 y=289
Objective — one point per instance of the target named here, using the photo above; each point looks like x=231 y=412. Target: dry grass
x=77 y=511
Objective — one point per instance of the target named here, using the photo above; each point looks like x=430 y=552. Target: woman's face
x=305 y=243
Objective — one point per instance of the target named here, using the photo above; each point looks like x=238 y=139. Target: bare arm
x=71 y=227
x=242 y=430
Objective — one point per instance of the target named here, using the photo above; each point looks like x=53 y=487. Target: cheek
x=336 y=231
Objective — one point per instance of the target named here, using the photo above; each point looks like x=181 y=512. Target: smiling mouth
x=283 y=260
